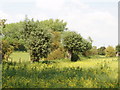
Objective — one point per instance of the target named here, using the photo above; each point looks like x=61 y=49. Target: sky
x=95 y=18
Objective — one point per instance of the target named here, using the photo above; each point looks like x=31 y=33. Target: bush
x=56 y=40
x=56 y=54
x=101 y=50
x=87 y=53
x=91 y=52
x=7 y=49
x=110 y=51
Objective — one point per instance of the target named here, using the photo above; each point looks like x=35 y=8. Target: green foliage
x=118 y=48
x=99 y=73
x=87 y=53
x=2 y=23
x=57 y=54
x=101 y=51
x=7 y=49
x=56 y=40
x=110 y=51
x=12 y=33
x=38 y=39
x=55 y=25
x=0 y=51
x=74 y=42
x=93 y=51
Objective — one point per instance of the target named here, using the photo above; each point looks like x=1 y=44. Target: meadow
x=96 y=72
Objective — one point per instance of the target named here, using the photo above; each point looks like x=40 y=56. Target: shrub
x=110 y=51
x=56 y=54
x=7 y=49
x=87 y=53
x=55 y=40
x=101 y=50
x=91 y=52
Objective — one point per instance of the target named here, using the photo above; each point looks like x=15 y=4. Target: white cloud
x=50 y=4
x=56 y=5
x=11 y=18
x=100 y=1
x=17 y=1
x=3 y=15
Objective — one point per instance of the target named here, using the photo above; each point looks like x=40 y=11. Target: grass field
x=88 y=73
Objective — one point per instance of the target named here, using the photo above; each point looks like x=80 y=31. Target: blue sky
x=95 y=18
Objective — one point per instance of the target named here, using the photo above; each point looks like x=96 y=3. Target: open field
x=88 y=73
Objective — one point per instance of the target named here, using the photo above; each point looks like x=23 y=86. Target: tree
x=74 y=42
x=56 y=40
x=54 y=25
x=12 y=33
x=7 y=49
x=2 y=25
x=38 y=39
x=110 y=51
x=118 y=49
x=91 y=52
x=101 y=50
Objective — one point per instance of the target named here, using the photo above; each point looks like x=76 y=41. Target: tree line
x=49 y=40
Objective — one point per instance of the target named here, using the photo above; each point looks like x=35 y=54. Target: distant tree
x=101 y=50
x=110 y=51
x=38 y=39
x=74 y=42
x=94 y=50
x=118 y=48
x=91 y=52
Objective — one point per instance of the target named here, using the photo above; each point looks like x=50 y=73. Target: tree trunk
x=69 y=54
x=33 y=57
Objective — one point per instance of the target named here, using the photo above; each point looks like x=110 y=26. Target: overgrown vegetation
x=99 y=73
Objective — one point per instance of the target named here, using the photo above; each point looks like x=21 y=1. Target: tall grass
x=90 y=73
